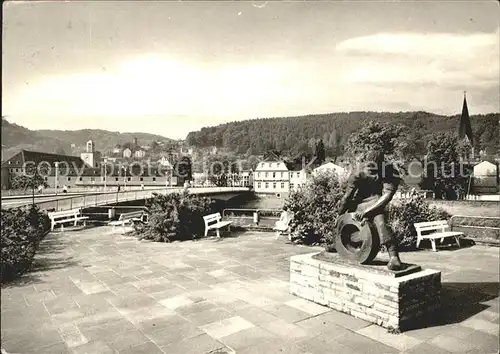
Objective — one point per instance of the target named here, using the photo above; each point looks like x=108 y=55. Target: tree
x=60 y=151
x=183 y=168
x=390 y=138
x=30 y=180
x=320 y=152
x=445 y=174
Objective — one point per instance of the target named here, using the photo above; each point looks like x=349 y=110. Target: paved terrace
x=97 y=292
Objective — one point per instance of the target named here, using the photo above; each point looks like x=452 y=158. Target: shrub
x=315 y=208
x=175 y=216
x=315 y=211
x=404 y=213
x=22 y=231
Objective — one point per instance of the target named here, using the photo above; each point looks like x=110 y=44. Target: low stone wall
x=365 y=291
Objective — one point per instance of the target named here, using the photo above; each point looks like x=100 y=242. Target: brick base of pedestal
x=393 y=302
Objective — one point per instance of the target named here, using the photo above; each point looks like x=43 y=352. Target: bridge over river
x=94 y=199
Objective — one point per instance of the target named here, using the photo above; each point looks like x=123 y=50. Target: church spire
x=465 y=128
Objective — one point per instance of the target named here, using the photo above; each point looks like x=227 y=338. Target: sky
x=169 y=67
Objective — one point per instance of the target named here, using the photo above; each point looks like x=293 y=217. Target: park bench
x=65 y=216
x=283 y=229
x=210 y=225
x=129 y=218
x=438 y=230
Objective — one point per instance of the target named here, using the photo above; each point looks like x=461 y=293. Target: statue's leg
x=387 y=239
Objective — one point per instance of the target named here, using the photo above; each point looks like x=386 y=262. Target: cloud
x=447 y=60
x=152 y=85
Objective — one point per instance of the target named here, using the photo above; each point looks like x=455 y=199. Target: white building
x=127 y=153
x=330 y=167
x=298 y=178
x=272 y=177
x=91 y=157
x=139 y=154
x=163 y=162
x=486 y=178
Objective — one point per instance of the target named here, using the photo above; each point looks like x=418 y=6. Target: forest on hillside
x=293 y=135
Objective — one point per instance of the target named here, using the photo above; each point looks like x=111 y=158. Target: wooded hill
x=293 y=135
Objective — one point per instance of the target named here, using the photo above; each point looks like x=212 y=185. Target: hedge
x=22 y=231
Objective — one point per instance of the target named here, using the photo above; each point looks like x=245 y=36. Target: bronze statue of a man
x=371 y=186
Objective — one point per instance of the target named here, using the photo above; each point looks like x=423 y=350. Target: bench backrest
x=431 y=226
x=131 y=214
x=64 y=214
x=212 y=218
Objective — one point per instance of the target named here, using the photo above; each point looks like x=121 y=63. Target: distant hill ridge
x=294 y=134
x=16 y=137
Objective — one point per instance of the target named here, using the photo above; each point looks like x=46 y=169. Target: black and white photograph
x=250 y=177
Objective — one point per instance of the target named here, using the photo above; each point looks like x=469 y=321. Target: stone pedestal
x=392 y=300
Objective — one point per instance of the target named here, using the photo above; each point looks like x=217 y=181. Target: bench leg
x=75 y=222
x=52 y=226
x=433 y=242
x=218 y=233
x=206 y=232
x=418 y=241
x=458 y=241
x=62 y=227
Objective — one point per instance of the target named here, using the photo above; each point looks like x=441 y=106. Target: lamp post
x=56 y=182
x=105 y=173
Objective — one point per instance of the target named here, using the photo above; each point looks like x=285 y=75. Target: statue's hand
x=359 y=216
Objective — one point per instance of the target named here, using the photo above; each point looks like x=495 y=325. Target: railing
x=94 y=200
x=477 y=218
x=265 y=218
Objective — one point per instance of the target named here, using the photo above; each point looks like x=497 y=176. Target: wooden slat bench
x=210 y=225
x=65 y=216
x=129 y=218
x=438 y=230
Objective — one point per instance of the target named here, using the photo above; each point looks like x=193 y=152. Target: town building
x=271 y=177
x=486 y=178
x=91 y=157
x=139 y=154
x=127 y=153
x=330 y=167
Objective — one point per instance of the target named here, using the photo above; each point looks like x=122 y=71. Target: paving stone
x=75 y=339
x=426 y=348
x=483 y=342
x=307 y=306
x=363 y=344
x=322 y=345
x=176 y=302
x=209 y=316
x=200 y=344
x=247 y=337
x=144 y=348
x=94 y=347
x=126 y=340
x=58 y=348
x=255 y=315
x=227 y=327
x=284 y=329
x=451 y=344
x=287 y=313
x=106 y=329
x=344 y=320
x=148 y=313
x=400 y=341
x=177 y=330
x=482 y=325
x=195 y=307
